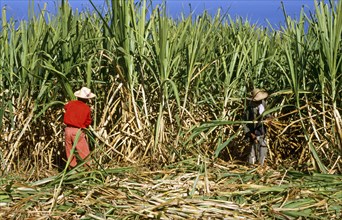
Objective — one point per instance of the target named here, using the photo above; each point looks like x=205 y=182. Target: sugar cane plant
x=170 y=95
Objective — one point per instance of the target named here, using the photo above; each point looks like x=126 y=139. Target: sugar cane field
x=167 y=138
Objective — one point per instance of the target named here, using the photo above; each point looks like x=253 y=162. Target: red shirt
x=77 y=114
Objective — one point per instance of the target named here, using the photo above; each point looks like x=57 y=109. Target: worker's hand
x=254 y=138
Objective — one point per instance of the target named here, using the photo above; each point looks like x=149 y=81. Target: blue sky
x=256 y=11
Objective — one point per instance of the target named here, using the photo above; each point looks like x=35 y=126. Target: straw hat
x=258 y=95
x=84 y=93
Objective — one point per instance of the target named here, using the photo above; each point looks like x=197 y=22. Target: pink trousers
x=81 y=147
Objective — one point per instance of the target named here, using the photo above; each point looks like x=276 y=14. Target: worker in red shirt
x=77 y=116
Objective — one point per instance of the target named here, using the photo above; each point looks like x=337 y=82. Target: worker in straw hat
x=255 y=131
x=77 y=116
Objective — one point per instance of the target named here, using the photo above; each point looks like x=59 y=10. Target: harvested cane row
x=192 y=189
